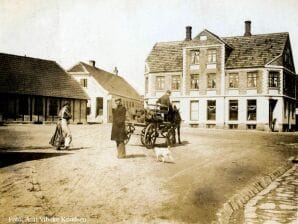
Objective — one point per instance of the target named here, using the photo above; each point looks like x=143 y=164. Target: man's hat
x=168 y=91
x=117 y=99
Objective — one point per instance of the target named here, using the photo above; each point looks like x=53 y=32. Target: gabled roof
x=255 y=50
x=244 y=52
x=33 y=76
x=113 y=84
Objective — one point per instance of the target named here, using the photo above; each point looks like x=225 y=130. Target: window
x=194 y=110
x=233 y=110
x=212 y=56
x=251 y=110
x=175 y=82
x=146 y=84
x=211 y=110
x=273 y=79
x=194 y=81
x=195 y=57
x=83 y=82
x=233 y=80
x=53 y=107
x=160 y=83
x=252 y=79
x=211 y=81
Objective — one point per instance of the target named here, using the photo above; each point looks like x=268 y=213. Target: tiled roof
x=114 y=84
x=252 y=51
x=32 y=76
x=255 y=50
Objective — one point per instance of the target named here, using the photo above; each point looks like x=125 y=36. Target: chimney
x=188 y=33
x=247 y=29
x=115 y=71
x=92 y=63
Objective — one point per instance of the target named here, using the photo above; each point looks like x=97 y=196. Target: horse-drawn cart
x=157 y=123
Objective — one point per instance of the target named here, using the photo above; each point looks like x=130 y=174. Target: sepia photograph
x=148 y=112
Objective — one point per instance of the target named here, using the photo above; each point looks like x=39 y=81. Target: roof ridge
x=265 y=34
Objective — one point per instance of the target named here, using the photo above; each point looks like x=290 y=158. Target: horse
x=173 y=116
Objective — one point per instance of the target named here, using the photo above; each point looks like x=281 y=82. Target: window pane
x=160 y=83
x=252 y=79
x=195 y=57
x=194 y=81
x=211 y=81
x=211 y=110
x=212 y=56
x=233 y=80
x=251 y=110
x=273 y=79
x=233 y=110
x=176 y=82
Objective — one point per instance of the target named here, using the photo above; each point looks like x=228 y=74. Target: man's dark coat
x=118 y=128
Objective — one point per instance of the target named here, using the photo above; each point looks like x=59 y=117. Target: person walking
x=118 y=127
x=62 y=136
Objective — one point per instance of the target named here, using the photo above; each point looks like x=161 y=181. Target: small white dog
x=163 y=154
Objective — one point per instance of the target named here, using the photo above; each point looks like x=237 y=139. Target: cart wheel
x=129 y=129
x=170 y=139
x=150 y=136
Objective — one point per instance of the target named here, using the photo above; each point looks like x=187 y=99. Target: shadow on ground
x=11 y=158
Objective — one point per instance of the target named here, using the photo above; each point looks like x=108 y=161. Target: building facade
x=102 y=87
x=242 y=82
x=33 y=91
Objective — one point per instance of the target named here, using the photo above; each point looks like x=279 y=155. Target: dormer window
x=212 y=56
x=195 y=57
x=83 y=82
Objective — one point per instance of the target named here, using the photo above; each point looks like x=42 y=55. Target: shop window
x=251 y=110
x=211 y=110
x=233 y=110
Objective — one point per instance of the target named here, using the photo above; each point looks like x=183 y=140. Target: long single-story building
x=33 y=90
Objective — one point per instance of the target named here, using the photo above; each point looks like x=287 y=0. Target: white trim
x=273 y=59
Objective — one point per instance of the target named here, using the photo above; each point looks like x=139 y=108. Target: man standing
x=118 y=127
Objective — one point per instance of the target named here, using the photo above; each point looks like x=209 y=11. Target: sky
x=122 y=33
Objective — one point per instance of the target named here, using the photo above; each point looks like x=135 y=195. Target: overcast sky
x=122 y=33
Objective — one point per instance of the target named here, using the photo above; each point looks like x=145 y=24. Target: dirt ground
x=88 y=184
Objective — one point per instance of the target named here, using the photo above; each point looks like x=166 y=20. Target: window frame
x=211 y=81
x=175 y=82
x=234 y=77
x=210 y=114
x=196 y=81
x=274 y=77
x=248 y=109
x=252 y=76
x=160 y=82
x=212 y=56
x=230 y=109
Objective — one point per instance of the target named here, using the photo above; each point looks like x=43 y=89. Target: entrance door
x=272 y=120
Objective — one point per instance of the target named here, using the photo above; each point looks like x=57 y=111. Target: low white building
x=102 y=86
x=245 y=82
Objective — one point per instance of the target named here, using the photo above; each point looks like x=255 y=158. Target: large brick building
x=33 y=90
x=245 y=82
